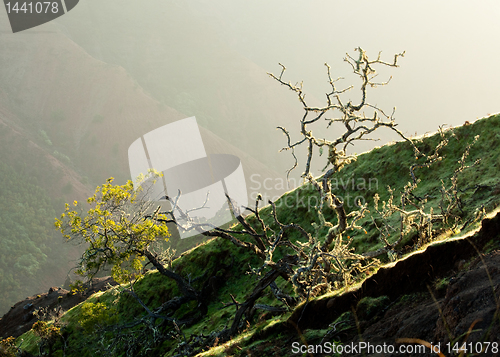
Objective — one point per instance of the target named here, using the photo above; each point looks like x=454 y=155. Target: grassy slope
x=385 y=166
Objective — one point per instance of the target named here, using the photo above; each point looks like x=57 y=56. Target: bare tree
x=314 y=263
x=412 y=209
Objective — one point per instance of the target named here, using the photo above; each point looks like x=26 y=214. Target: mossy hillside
x=389 y=165
x=154 y=289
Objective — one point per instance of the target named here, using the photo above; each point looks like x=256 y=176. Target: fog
x=76 y=92
x=446 y=76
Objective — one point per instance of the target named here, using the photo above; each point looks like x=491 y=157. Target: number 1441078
x=38 y=7
x=474 y=348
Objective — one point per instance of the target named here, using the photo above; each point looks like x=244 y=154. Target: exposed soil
x=464 y=300
x=53 y=303
x=470 y=302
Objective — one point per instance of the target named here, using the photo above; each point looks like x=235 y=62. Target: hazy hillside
x=67 y=120
x=33 y=186
x=174 y=52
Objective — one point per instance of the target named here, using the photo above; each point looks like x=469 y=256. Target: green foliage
x=45 y=137
x=31 y=254
x=49 y=336
x=77 y=287
x=26 y=236
x=45 y=331
x=8 y=347
x=61 y=157
x=115 y=228
x=442 y=284
x=369 y=306
x=29 y=342
x=93 y=315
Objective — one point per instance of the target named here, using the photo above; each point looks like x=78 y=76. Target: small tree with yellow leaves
x=120 y=227
x=115 y=228
x=49 y=335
